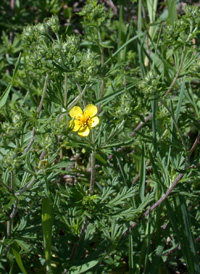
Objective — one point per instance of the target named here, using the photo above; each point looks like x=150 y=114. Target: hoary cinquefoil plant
x=71 y=162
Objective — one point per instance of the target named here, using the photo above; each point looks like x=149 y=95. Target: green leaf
x=178 y=108
x=101 y=159
x=47 y=223
x=15 y=251
x=111 y=96
x=142 y=175
x=123 y=46
x=193 y=258
x=106 y=44
x=4 y=96
x=84 y=267
x=172 y=13
x=131 y=260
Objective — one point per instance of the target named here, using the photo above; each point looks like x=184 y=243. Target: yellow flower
x=83 y=121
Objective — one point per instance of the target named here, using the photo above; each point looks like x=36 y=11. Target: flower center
x=84 y=120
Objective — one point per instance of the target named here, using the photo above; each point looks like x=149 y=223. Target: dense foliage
x=125 y=198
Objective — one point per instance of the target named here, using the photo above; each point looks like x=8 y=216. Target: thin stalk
x=92 y=182
x=43 y=94
x=65 y=90
x=12 y=214
x=92 y=175
x=141 y=124
x=9 y=222
x=101 y=48
x=138 y=175
x=77 y=98
x=101 y=92
x=31 y=141
x=178 y=178
x=8 y=188
x=102 y=64
x=81 y=92
x=12 y=10
x=177 y=74
x=27 y=186
x=195 y=143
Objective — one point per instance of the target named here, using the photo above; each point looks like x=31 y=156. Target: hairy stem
x=155 y=205
x=27 y=186
x=31 y=141
x=178 y=178
x=43 y=94
x=73 y=103
x=81 y=93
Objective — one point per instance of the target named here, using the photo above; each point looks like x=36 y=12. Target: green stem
x=92 y=176
x=73 y=103
x=12 y=214
x=178 y=72
x=102 y=64
x=92 y=181
x=43 y=94
x=65 y=91
x=81 y=92
x=101 y=48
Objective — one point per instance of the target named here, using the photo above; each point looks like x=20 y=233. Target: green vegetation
x=121 y=193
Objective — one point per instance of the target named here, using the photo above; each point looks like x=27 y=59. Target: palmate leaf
x=111 y=229
x=122 y=196
x=54 y=96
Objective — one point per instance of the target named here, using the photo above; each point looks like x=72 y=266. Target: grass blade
x=15 y=251
x=47 y=223
x=131 y=263
x=142 y=176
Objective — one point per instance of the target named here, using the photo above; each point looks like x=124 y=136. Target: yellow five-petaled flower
x=83 y=121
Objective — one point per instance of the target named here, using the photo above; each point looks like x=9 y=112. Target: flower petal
x=90 y=110
x=94 y=121
x=75 y=112
x=84 y=132
x=74 y=124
